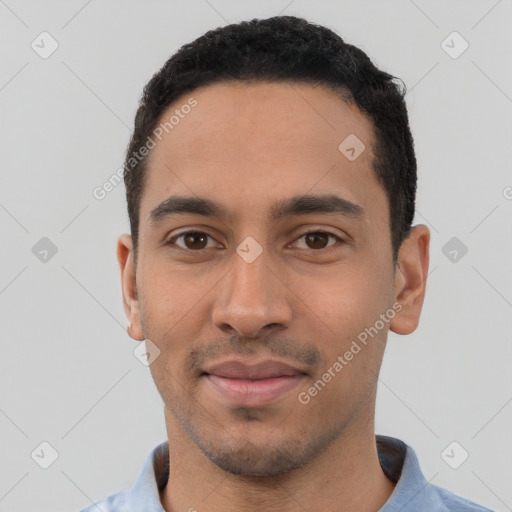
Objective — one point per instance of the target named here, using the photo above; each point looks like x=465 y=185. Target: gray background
x=68 y=374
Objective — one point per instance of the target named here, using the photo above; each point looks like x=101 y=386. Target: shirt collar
x=398 y=461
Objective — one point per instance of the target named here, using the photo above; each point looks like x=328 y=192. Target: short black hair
x=281 y=49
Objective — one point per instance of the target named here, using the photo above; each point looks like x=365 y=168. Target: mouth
x=252 y=385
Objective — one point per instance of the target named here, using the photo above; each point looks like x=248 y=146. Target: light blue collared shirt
x=413 y=493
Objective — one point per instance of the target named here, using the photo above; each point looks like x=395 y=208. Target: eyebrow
x=297 y=205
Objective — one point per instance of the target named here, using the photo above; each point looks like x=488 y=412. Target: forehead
x=246 y=145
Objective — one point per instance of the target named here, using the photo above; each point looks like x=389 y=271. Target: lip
x=238 y=369
x=252 y=385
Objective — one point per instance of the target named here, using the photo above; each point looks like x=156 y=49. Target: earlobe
x=135 y=333
x=410 y=279
x=129 y=286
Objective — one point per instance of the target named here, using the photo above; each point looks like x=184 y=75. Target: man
x=271 y=183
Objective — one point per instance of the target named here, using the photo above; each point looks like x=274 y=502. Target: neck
x=347 y=473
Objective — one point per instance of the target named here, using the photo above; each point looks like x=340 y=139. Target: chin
x=252 y=458
x=257 y=463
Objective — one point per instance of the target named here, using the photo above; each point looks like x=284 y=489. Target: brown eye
x=319 y=240
x=192 y=240
x=195 y=240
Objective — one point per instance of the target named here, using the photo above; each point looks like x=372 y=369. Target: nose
x=253 y=299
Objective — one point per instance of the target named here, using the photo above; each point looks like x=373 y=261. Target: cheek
x=343 y=301
x=169 y=321
x=172 y=297
x=342 y=313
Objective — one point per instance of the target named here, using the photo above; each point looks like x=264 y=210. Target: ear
x=411 y=279
x=129 y=286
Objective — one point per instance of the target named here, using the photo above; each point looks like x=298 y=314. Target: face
x=259 y=297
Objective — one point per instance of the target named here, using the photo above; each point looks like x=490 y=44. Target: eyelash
x=171 y=241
